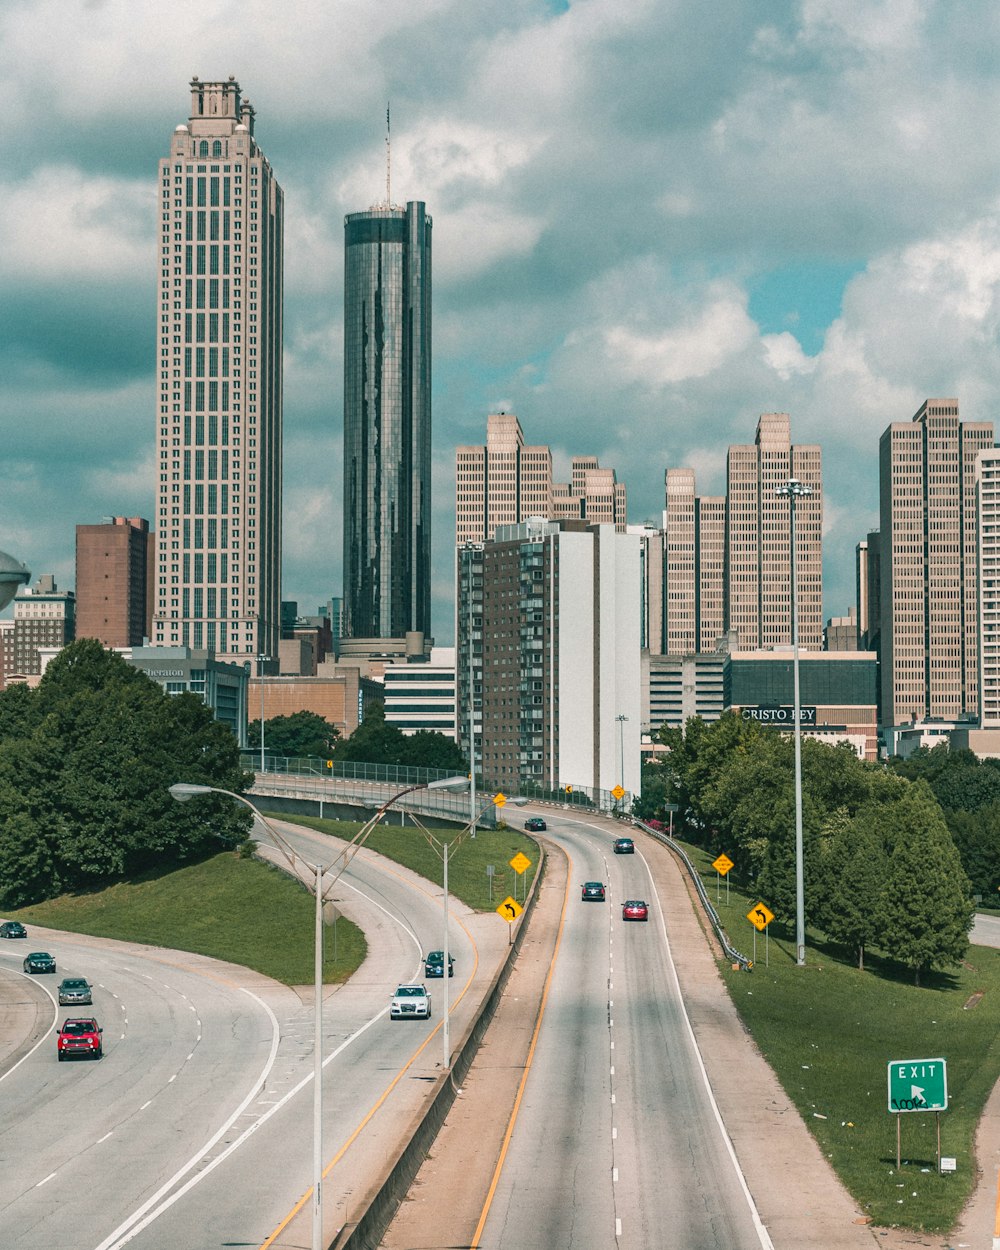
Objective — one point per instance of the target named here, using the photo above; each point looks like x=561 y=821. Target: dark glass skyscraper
x=387 y=421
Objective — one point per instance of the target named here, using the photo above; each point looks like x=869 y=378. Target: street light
x=183 y=791
x=444 y=848
x=261 y=661
x=794 y=490
x=621 y=719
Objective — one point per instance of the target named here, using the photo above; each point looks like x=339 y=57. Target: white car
x=410 y=1002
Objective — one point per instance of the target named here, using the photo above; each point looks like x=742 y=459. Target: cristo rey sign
x=780 y=716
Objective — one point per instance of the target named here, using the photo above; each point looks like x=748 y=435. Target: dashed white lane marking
x=612 y=1100
x=146 y=1104
x=618 y=1228
x=612 y=1069
x=614 y=1176
x=46 y=1181
x=191 y=1056
x=173 y=1078
x=105 y=1137
x=614 y=1134
x=612 y=1045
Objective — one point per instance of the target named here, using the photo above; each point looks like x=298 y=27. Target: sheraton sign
x=780 y=716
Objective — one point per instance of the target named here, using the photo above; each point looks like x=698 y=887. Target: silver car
x=73 y=991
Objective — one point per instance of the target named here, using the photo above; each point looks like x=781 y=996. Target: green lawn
x=231 y=908
x=829 y=1032
x=468 y=864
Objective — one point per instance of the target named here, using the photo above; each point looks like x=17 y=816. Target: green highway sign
x=918 y=1085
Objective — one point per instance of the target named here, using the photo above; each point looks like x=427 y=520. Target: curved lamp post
x=183 y=791
x=444 y=849
x=794 y=490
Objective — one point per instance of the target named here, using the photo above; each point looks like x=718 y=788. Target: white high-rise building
x=219 y=401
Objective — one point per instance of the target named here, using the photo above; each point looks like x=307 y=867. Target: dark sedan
x=434 y=964
x=593 y=891
x=624 y=846
x=535 y=824
x=13 y=929
x=39 y=961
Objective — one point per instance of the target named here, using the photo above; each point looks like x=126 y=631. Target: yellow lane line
x=474 y=1244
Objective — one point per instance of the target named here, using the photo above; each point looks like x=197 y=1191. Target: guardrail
x=731 y=952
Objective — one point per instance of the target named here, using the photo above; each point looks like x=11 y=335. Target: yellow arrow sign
x=722 y=864
x=520 y=862
x=499 y=799
x=760 y=917
x=510 y=909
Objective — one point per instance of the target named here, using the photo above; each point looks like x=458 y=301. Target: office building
x=928 y=536
x=186 y=670
x=387 y=421
x=559 y=671
x=694 y=547
x=421 y=696
x=219 y=381
x=507 y=481
x=988 y=520
x=44 y=616
x=758 y=539
x=114 y=581
x=841 y=632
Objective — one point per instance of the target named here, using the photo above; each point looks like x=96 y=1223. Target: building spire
x=388 y=160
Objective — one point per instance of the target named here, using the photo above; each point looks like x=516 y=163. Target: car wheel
x=99 y=1053
x=61 y=1056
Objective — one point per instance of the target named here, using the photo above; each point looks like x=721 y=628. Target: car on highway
x=624 y=846
x=39 y=961
x=635 y=909
x=535 y=824
x=79 y=1037
x=593 y=891
x=74 y=991
x=410 y=1002
x=13 y=929
x=434 y=964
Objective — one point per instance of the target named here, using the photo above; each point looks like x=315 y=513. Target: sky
x=653 y=221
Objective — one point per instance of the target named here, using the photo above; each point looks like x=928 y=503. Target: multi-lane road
x=195 y=1128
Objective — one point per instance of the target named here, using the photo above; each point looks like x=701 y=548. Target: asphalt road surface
x=195 y=1129
x=618 y=1140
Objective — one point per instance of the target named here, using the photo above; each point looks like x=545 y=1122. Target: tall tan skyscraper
x=219 y=427
x=758 y=539
x=114 y=568
x=507 y=482
x=927 y=534
x=694 y=531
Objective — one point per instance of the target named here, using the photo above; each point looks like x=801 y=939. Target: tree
x=302 y=735
x=429 y=749
x=855 y=868
x=374 y=741
x=925 y=902
x=86 y=760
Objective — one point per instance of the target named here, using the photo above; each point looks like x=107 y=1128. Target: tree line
x=86 y=759
x=881 y=865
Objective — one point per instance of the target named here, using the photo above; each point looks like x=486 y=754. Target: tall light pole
x=261 y=661
x=794 y=490
x=621 y=719
x=473 y=815
x=182 y=792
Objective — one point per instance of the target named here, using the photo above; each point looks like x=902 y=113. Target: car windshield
x=40 y=955
x=409 y=991
x=77 y=1026
x=75 y=985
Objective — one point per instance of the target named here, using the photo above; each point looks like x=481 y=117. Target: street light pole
x=621 y=719
x=261 y=660
x=182 y=792
x=473 y=817
x=794 y=490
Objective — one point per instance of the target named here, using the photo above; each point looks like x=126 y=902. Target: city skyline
x=650 y=229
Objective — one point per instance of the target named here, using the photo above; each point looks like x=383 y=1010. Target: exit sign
x=918 y=1085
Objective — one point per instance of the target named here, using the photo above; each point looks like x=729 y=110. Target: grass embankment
x=249 y=913
x=829 y=1031
x=468 y=864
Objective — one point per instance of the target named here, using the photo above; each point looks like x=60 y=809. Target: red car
x=80 y=1037
x=634 y=909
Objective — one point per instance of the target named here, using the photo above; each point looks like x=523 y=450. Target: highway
x=617 y=1140
x=195 y=1129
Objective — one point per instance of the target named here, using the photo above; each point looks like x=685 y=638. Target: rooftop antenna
x=388 y=160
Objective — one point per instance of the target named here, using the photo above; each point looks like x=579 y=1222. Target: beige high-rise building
x=928 y=558
x=219 y=406
x=694 y=533
x=758 y=539
x=988 y=498
x=507 y=482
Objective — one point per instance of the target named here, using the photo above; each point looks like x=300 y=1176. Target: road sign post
x=917 y=1085
x=722 y=865
x=760 y=916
